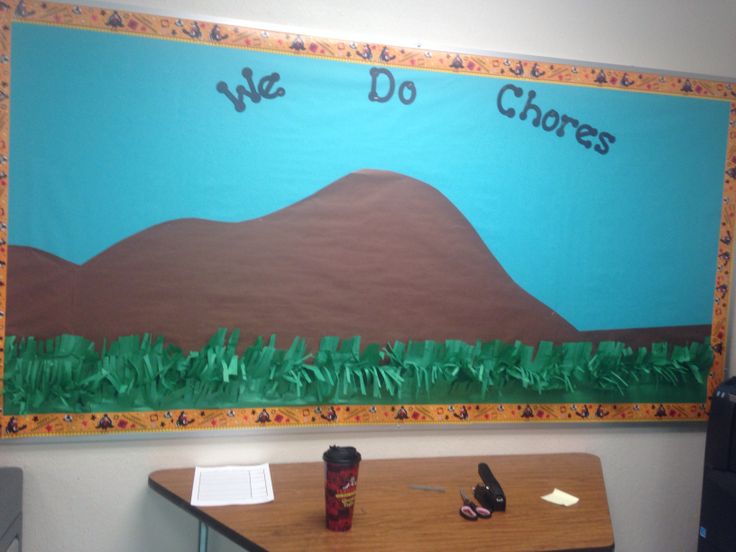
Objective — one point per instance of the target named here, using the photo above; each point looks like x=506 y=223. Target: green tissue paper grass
x=68 y=374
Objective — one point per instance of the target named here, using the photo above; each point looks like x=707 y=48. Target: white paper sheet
x=561 y=497
x=227 y=485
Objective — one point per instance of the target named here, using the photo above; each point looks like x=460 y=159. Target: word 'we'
x=264 y=89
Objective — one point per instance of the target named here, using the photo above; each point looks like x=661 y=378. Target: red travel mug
x=341 y=478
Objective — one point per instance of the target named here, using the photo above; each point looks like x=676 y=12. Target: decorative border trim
x=55 y=425
x=233 y=36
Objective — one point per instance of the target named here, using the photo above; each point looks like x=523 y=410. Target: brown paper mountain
x=375 y=254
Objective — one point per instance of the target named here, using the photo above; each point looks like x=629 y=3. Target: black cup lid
x=341 y=455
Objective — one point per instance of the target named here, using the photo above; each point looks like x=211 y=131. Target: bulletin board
x=209 y=226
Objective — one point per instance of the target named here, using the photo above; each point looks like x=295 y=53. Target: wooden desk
x=391 y=516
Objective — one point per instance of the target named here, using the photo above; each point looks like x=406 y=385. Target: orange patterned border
x=55 y=425
x=5 y=20
x=233 y=36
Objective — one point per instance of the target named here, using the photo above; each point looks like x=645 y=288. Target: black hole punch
x=489 y=493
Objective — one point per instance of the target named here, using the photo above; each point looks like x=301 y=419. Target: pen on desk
x=427 y=488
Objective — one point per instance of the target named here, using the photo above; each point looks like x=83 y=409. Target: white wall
x=93 y=496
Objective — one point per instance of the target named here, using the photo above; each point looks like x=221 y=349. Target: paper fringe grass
x=68 y=374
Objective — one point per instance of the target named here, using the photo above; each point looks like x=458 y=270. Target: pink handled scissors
x=471 y=511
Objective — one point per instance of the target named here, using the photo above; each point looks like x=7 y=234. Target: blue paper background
x=112 y=134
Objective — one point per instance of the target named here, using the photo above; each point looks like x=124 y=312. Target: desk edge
x=202 y=516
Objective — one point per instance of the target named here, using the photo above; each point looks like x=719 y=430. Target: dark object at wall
x=11 y=505
x=718 y=505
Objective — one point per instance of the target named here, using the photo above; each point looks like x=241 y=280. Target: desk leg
x=203 y=530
